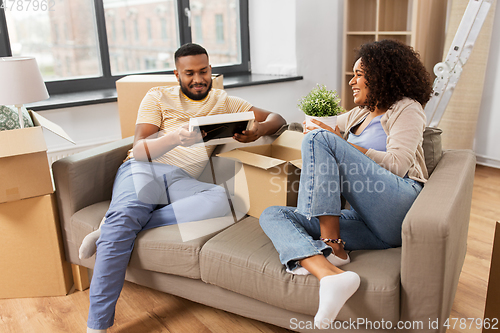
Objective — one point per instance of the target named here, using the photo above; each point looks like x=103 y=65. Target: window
x=64 y=46
x=89 y=44
x=136 y=29
x=219 y=28
x=124 y=29
x=112 y=23
x=164 y=34
x=150 y=31
x=216 y=26
x=198 y=28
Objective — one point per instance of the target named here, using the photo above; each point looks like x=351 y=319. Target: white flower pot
x=330 y=121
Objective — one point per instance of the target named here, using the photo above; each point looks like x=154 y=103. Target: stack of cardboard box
x=31 y=252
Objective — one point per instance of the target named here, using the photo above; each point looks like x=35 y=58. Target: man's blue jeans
x=141 y=201
x=379 y=201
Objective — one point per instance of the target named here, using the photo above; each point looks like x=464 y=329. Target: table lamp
x=21 y=83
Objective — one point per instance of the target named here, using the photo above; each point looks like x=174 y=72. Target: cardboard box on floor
x=131 y=90
x=269 y=174
x=23 y=160
x=31 y=259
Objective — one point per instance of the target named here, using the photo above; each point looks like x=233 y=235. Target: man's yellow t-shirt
x=168 y=108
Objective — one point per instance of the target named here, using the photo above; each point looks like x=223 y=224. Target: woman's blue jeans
x=331 y=167
x=145 y=196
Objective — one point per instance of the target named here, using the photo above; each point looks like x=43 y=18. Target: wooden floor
x=143 y=310
x=472 y=286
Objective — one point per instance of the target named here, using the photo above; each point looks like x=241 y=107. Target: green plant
x=321 y=102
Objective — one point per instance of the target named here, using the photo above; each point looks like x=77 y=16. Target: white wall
x=308 y=31
x=301 y=37
x=487 y=139
x=270 y=48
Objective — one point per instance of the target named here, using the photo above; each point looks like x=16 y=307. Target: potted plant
x=321 y=104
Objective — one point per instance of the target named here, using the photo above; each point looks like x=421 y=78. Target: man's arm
x=148 y=139
x=266 y=123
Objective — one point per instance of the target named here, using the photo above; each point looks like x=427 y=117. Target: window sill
x=109 y=95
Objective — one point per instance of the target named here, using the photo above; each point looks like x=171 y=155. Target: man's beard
x=192 y=96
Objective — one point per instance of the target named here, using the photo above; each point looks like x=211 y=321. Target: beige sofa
x=236 y=268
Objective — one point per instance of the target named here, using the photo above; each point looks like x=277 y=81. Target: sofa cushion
x=171 y=249
x=243 y=259
x=432 y=147
x=87 y=220
x=175 y=249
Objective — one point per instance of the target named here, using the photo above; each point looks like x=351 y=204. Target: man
x=148 y=195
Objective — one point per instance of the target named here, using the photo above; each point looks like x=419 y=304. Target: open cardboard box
x=131 y=89
x=23 y=160
x=269 y=174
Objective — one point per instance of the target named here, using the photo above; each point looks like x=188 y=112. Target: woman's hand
x=321 y=125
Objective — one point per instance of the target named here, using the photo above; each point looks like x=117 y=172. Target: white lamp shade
x=21 y=81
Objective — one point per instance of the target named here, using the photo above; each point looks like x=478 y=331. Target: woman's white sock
x=332 y=258
x=337 y=261
x=334 y=291
x=88 y=247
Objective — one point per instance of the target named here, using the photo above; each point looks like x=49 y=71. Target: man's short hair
x=189 y=49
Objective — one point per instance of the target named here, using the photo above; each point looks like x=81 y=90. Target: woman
x=380 y=170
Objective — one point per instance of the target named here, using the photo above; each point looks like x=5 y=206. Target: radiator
x=57 y=154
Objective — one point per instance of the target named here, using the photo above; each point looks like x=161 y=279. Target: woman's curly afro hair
x=393 y=70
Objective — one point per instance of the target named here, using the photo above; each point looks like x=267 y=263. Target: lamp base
x=20 y=113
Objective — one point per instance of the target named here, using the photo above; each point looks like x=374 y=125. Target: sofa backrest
x=433 y=150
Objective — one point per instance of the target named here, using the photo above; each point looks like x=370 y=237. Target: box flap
x=22 y=141
x=286 y=153
x=38 y=120
x=264 y=150
x=289 y=139
x=297 y=163
x=252 y=159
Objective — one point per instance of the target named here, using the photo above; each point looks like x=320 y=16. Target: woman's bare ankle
x=320 y=267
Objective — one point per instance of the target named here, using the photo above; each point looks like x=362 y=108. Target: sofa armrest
x=84 y=179
x=435 y=240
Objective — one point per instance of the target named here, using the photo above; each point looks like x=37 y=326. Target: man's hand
x=187 y=138
x=248 y=135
